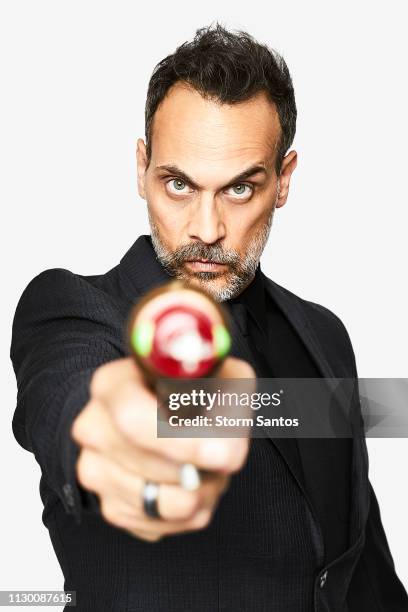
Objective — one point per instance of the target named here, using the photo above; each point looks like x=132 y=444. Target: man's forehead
x=190 y=124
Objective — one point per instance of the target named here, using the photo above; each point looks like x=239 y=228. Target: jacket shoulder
x=55 y=291
x=53 y=283
x=58 y=296
x=59 y=287
x=314 y=310
x=328 y=326
x=326 y=316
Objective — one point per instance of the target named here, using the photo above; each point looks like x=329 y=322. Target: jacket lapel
x=289 y=448
x=294 y=312
x=296 y=316
x=293 y=450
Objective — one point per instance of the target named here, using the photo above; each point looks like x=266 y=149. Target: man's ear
x=141 y=158
x=288 y=165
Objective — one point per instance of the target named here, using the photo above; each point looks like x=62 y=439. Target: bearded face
x=224 y=272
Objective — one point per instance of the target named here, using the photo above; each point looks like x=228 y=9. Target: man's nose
x=205 y=222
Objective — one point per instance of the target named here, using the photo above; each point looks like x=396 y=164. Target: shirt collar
x=253 y=297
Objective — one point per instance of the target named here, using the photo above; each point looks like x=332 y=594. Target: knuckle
x=97 y=382
x=227 y=461
x=237 y=457
x=126 y=423
x=224 y=484
x=83 y=425
x=223 y=456
x=108 y=375
x=123 y=520
x=236 y=463
x=87 y=470
x=109 y=512
x=78 y=427
x=190 y=505
x=202 y=519
x=130 y=411
x=124 y=408
x=148 y=537
x=105 y=375
x=247 y=371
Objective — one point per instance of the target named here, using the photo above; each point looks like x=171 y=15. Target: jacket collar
x=141 y=269
x=292 y=308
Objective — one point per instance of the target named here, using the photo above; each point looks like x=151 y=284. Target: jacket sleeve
x=63 y=329
x=375 y=585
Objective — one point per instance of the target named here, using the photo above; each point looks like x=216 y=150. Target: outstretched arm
x=62 y=331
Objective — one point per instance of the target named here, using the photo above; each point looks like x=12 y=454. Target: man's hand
x=120 y=451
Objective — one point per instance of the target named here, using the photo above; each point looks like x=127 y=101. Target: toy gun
x=176 y=331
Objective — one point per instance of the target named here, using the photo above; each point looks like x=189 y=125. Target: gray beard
x=241 y=270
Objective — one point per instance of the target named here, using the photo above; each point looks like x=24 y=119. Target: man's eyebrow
x=174 y=169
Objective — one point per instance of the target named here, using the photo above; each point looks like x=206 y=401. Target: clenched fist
x=120 y=451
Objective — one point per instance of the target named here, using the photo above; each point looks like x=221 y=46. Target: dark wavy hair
x=228 y=67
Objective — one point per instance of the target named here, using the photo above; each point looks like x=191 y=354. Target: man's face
x=210 y=222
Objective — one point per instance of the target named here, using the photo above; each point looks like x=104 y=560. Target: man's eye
x=241 y=189
x=177 y=186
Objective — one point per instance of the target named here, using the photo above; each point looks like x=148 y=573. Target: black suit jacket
x=66 y=325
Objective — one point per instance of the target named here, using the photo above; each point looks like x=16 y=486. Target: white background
x=74 y=77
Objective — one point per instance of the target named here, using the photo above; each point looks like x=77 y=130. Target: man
x=280 y=524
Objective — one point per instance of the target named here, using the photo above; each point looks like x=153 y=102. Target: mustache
x=212 y=253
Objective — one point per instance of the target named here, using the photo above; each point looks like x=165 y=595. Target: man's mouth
x=203 y=265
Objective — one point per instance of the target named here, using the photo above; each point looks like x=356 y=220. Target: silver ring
x=150 y=496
